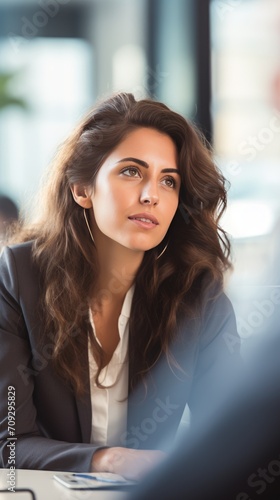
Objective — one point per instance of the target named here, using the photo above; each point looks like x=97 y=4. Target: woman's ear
x=81 y=195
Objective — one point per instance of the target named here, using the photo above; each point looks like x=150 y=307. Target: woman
x=112 y=310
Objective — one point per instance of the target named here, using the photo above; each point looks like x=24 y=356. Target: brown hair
x=167 y=288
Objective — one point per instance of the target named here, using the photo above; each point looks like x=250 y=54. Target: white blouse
x=109 y=406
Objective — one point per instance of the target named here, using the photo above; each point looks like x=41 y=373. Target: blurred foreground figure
x=233 y=453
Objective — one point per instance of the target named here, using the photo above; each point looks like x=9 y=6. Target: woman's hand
x=129 y=463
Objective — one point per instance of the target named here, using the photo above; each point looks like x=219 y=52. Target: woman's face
x=136 y=191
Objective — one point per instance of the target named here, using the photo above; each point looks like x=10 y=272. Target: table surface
x=46 y=488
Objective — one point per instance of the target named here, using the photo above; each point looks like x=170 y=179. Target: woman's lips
x=144 y=217
x=145 y=221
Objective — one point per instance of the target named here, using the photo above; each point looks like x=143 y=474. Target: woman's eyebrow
x=146 y=165
x=135 y=160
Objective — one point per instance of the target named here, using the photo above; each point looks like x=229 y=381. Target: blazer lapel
x=84 y=404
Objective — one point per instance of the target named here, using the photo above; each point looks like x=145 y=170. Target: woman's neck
x=117 y=271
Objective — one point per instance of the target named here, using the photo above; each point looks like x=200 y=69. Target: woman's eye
x=169 y=182
x=131 y=172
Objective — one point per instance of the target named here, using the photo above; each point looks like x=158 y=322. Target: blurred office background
x=216 y=62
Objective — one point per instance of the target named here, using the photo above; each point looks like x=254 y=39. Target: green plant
x=7 y=98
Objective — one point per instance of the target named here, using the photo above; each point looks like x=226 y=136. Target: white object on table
x=46 y=488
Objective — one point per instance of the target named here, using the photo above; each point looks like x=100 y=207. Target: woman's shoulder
x=20 y=276
x=18 y=258
x=215 y=317
x=219 y=323
x=217 y=304
x=18 y=250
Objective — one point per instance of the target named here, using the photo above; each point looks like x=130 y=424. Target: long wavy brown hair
x=166 y=289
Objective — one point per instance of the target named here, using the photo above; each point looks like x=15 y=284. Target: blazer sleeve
x=218 y=357
x=21 y=440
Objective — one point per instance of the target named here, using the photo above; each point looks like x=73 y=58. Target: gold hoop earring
x=88 y=226
x=162 y=252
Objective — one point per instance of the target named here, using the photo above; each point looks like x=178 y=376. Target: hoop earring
x=88 y=226
x=162 y=252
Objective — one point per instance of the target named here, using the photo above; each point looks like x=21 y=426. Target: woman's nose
x=149 y=195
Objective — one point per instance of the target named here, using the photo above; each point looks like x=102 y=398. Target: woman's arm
x=19 y=420
x=132 y=464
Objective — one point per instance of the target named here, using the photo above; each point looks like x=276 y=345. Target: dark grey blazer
x=52 y=425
